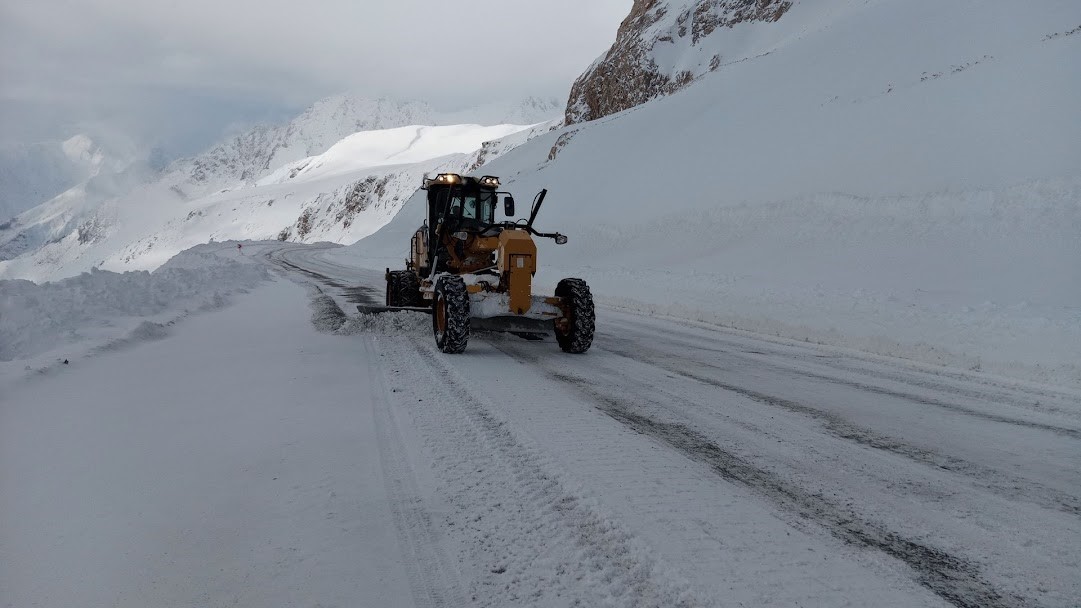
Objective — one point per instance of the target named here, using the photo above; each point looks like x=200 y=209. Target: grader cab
x=472 y=272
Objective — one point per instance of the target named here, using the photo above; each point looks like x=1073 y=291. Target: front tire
x=574 y=332
x=450 y=316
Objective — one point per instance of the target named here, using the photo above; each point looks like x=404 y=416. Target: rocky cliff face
x=661 y=47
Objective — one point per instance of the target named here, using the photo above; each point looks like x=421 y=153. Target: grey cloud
x=67 y=61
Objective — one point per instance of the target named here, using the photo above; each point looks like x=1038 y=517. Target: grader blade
x=375 y=310
x=514 y=325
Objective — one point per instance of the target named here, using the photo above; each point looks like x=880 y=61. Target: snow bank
x=97 y=307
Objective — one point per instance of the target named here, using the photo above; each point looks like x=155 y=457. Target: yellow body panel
x=517 y=261
x=418 y=248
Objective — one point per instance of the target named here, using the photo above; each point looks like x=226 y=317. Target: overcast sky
x=168 y=69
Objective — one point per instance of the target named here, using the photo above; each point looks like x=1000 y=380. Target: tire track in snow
x=656 y=357
x=769 y=351
x=1007 y=486
x=525 y=539
x=953 y=407
x=952 y=578
x=433 y=579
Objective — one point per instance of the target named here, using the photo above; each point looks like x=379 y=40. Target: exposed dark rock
x=628 y=76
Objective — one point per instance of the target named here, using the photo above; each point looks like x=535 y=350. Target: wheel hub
x=440 y=315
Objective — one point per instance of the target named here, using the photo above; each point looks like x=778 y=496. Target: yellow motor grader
x=472 y=272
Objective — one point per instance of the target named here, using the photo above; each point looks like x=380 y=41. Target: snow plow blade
x=374 y=310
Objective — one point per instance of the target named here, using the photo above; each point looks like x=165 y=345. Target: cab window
x=479 y=207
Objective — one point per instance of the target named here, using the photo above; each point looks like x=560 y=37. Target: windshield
x=479 y=206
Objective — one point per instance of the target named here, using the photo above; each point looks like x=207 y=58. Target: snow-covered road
x=249 y=458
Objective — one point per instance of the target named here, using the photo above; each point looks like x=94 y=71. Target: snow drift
x=100 y=307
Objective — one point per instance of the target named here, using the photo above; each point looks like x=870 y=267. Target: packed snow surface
x=283 y=449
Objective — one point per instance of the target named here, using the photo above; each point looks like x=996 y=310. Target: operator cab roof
x=453 y=179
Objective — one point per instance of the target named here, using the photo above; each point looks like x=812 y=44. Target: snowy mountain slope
x=138 y=223
x=900 y=177
x=262 y=150
x=341 y=195
x=251 y=155
x=401 y=146
x=531 y=110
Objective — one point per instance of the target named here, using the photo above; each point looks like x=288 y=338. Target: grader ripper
x=472 y=272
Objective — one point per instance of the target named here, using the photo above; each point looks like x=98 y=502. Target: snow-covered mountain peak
x=261 y=150
x=328 y=120
x=387 y=147
x=252 y=155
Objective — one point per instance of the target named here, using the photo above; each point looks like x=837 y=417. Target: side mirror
x=508 y=206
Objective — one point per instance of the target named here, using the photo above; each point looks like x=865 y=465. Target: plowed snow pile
x=97 y=307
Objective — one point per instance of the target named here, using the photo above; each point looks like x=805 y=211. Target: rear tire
x=575 y=331
x=409 y=289
x=393 y=288
x=450 y=316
